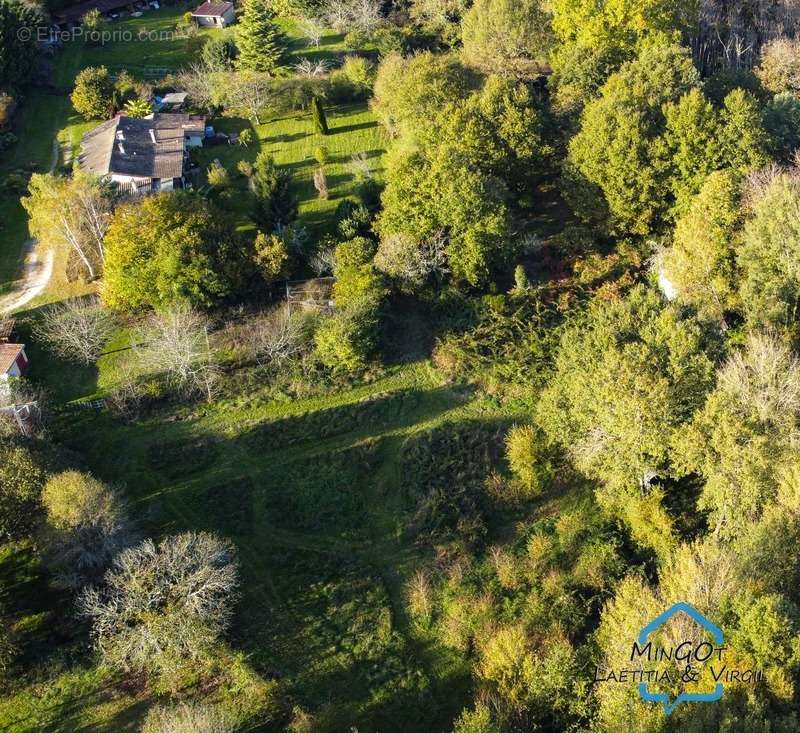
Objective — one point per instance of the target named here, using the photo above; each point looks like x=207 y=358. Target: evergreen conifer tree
x=262 y=45
x=318 y=113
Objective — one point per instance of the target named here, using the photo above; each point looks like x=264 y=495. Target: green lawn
x=148 y=47
x=292 y=140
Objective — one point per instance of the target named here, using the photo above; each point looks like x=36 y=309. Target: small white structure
x=214 y=14
x=13 y=364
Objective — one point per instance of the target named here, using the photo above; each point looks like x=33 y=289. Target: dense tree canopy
x=172 y=248
x=21 y=24
x=506 y=37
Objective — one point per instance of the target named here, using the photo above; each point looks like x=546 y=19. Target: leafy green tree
x=72 y=214
x=355 y=273
x=411 y=91
x=318 y=115
x=616 y=151
x=781 y=120
x=770 y=256
x=271 y=256
x=506 y=37
x=624 y=382
x=621 y=26
x=94 y=93
x=701 y=262
x=743 y=438
x=692 y=142
x=262 y=45
x=745 y=143
x=21 y=24
x=22 y=475
x=87 y=526
x=219 y=53
x=457 y=179
x=275 y=203
x=172 y=248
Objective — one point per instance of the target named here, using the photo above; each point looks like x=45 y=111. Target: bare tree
x=312 y=29
x=200 y=83
x=322 y=261
x=175 y=343
x=250 y=92
x=278 y=336
x=364 y=15
x=164 y=603
x=312 y=69
x=413 y=262
x=76 y=329
x=764 y=380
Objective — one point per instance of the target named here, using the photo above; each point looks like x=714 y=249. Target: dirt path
x=37 y=267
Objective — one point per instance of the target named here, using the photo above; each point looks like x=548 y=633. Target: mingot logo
x=688 y=653
x=662 y=670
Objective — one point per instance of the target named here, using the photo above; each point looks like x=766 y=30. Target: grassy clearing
x=312 y=494
x=292 y=140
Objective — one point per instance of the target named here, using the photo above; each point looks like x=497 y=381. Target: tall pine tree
x=318 y=114
x=262 y=45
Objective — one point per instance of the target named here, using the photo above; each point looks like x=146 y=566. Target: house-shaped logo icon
x=655 y=624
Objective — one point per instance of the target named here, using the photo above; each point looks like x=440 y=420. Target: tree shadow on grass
x=352 y=128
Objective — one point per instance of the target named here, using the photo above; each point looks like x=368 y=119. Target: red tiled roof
x=8 y=355
x=213 y=9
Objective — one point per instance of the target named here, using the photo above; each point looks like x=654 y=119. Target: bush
x=87 y=526
x=527 y=459
x=22 y=475
x=93 y=95
x=271 y=256
x=345 y=341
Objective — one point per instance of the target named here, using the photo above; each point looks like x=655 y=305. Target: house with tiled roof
x=142 y=155
x=214 y=14
x=13 y=364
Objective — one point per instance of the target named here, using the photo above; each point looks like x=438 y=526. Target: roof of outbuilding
x=213 y=9
x=149 y=147
x=8 y=355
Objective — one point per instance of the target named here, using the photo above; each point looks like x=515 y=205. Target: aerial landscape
x=428 y=366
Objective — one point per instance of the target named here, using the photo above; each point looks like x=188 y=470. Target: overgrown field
x=333 y=502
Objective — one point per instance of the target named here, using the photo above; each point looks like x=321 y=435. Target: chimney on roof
x=152 y=135
x=121 y=149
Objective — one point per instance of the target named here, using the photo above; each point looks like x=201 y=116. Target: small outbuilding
x=13 y=364
x=214 y=14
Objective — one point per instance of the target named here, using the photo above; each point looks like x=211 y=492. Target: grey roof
x=149 y=147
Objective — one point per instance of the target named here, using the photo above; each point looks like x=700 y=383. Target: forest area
x=450 y=383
